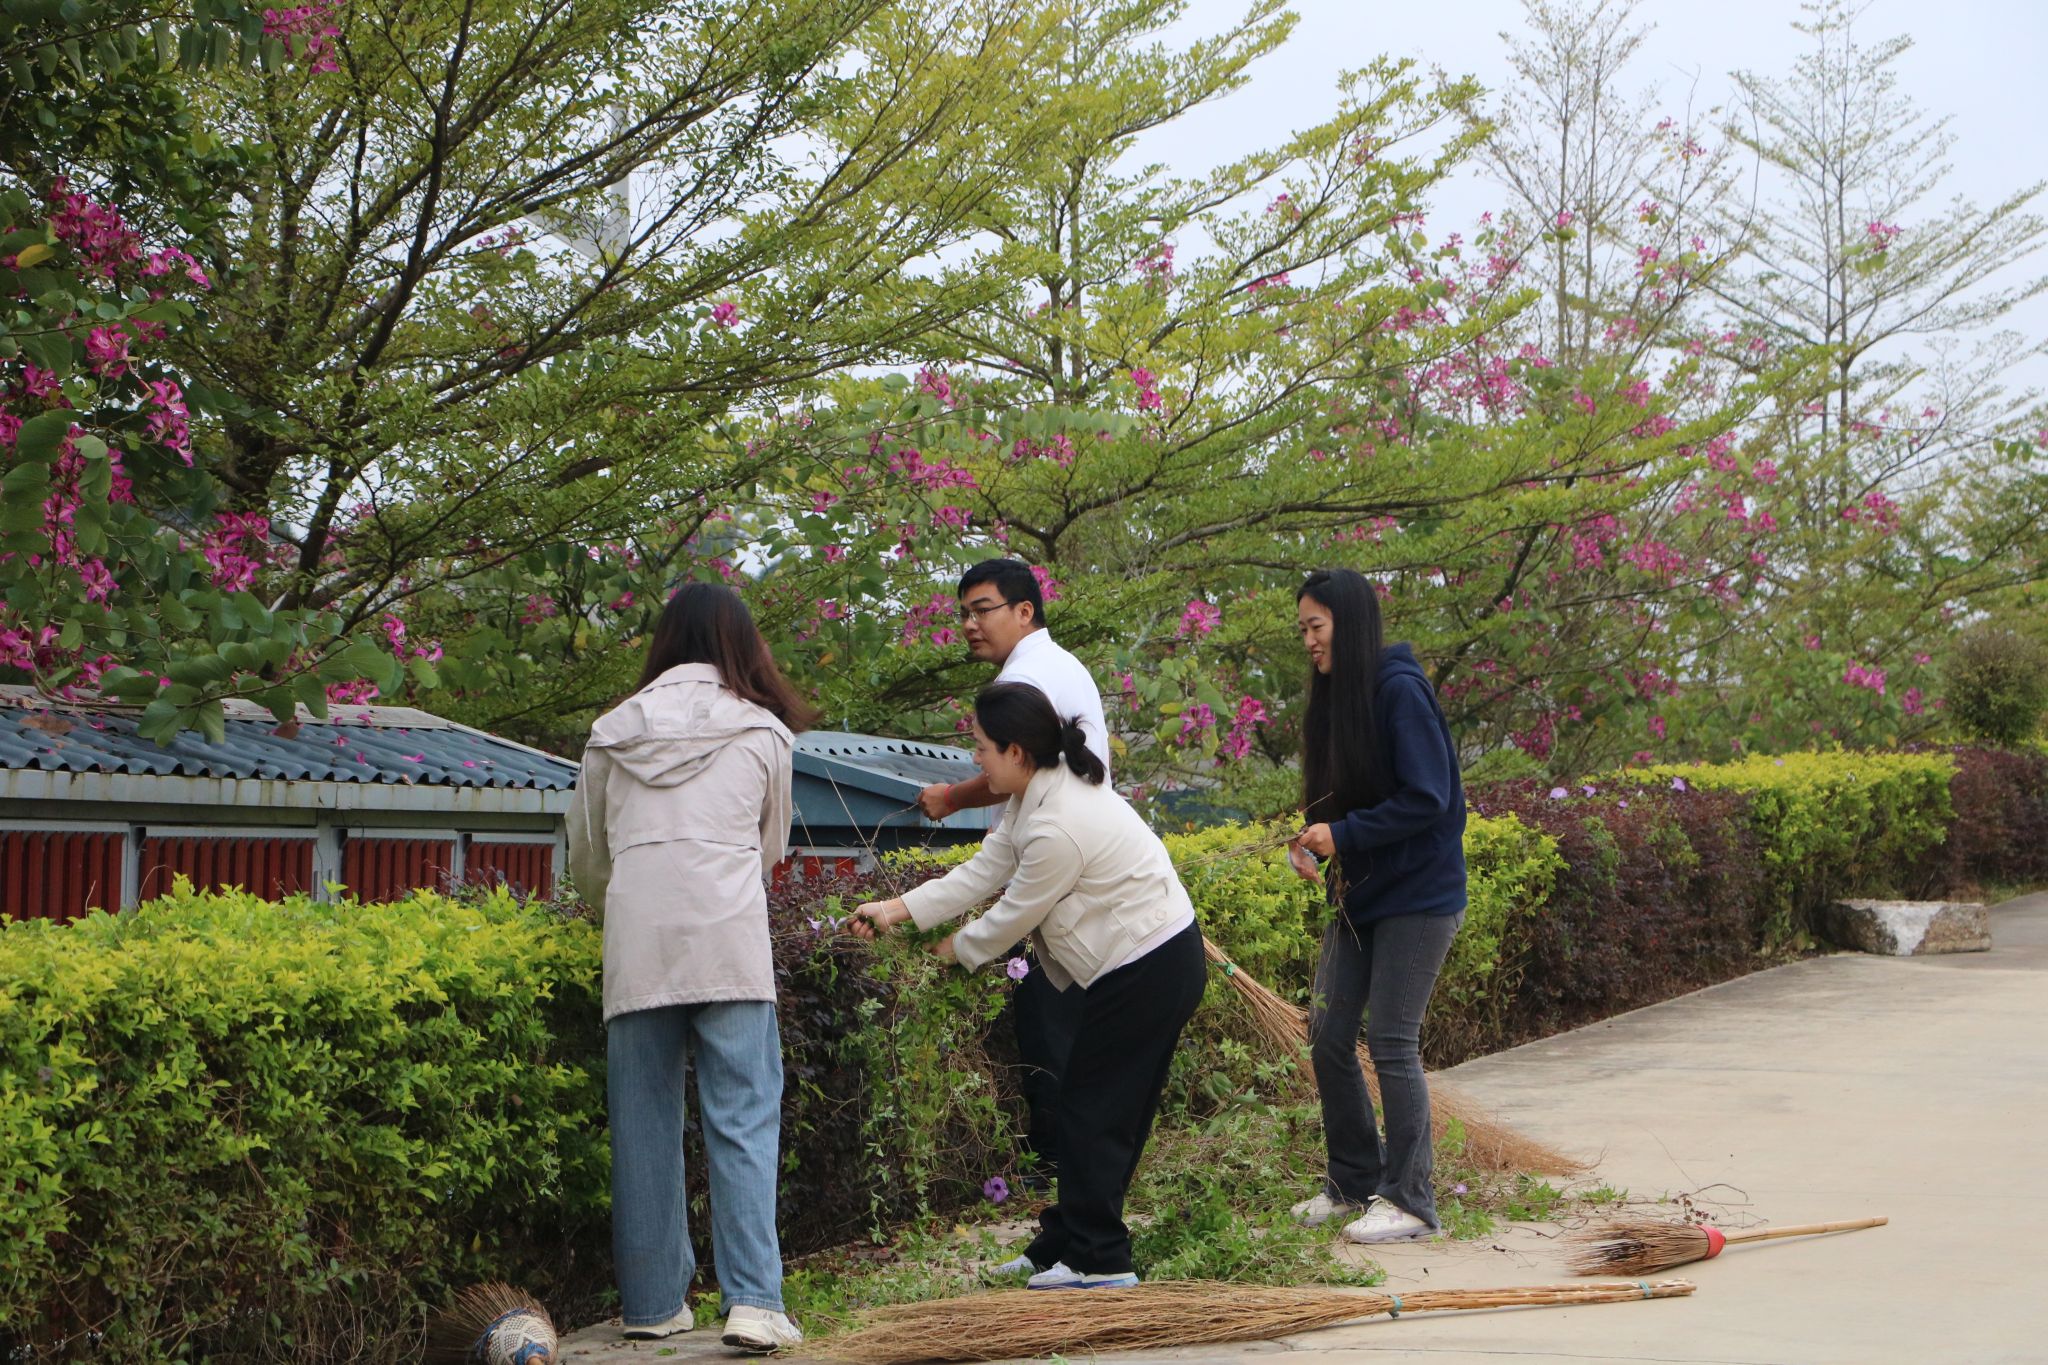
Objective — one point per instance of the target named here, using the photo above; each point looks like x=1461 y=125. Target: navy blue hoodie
x=1406 y=855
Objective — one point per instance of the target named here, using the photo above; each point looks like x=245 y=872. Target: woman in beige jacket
x=1093 y=887
x=681 y=812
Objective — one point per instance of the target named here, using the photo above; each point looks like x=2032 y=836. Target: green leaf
x=423 y=672
x=200 y=670
x=41 y=437
x=211 y=720
x=159 y=721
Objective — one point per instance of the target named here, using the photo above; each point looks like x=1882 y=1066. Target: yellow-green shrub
x=249 y=1129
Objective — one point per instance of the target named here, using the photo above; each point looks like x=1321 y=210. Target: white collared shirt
x=1067 y=684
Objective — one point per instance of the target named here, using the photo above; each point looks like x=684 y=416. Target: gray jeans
x=1380 y=974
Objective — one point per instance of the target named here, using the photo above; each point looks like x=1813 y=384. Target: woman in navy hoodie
x=1381 y=788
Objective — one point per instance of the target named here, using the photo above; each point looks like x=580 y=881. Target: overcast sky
x=1981 y=62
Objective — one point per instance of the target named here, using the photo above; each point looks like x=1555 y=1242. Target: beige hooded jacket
x=681 y=811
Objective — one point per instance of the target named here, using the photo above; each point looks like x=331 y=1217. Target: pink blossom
x=1913 y=702
x=1657 y=727
x=622 y=601
x=1859 y=675
x=106 y=352
x=1879 y=235
x=1157 y=262
x=539 y=607
x=1048 y=586
x=834 y=553
x=724 y=313
x=310 y=23
x=821 y=501
x=1200 y=618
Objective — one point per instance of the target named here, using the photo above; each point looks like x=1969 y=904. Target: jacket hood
x=1397 y=660
x=669 y=731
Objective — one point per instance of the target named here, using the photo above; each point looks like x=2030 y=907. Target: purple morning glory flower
x=1018 y=968
x=1458 y=1188
x=1590 y=790
x=1678 y=785
x=1558 y=793
x=996 y=1188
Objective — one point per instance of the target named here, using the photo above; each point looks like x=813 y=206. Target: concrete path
x=1833 y=1088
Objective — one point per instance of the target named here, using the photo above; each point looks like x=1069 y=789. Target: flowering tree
x=122 y=569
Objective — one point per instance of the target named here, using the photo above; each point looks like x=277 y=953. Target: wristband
x=952 y=806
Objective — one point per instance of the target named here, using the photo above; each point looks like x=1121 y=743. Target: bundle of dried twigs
x=1643 y=1246
x=492 y=1324
x=1490 y=1144
x=1022 y=1323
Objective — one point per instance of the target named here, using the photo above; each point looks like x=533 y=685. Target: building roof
x=361 y=745
x=850 y=781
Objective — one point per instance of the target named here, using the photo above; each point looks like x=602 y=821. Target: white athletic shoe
x=1313 y=1213
x=1060 y=1277
x=675 y=1326
x=1010 y=1269
x=760 y=1329
x=1389 y=1222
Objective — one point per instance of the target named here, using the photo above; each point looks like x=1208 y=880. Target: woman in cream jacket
x=681 y=811
x=1094 y=889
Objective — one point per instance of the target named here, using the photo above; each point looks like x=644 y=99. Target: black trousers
x=1047 y=1020
x=1131 y=1022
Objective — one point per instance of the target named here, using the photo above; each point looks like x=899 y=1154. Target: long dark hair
x=1343 y=762
x=1018 y=713
x=707 y=623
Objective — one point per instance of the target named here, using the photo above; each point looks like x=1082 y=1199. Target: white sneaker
x=1010 y=1269
x=1388 y=1222
x=1313 y=1213
x=675 y=1326
x=760 y=1329
x=1060 y=1277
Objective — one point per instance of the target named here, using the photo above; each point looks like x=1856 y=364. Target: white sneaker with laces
x=1389 y=1222
x=760 y=1329
x=1060 y=1277
x=1313 y=1213
x=1010 y=1269
x=675 y=1326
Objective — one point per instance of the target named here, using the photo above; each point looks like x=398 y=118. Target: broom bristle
x=461 y=1333
x=1021 y=1324
x=1635 y=1246
x=1490 y=1144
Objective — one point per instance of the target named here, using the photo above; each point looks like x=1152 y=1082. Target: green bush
x=245 y=1130
x=1997 y=685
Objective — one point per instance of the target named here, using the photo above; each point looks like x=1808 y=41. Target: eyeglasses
x=978 y=612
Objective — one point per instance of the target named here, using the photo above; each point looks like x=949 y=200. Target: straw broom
x=1490 y=1144
x=1644 y=1246
x=492 y=1324
x=1022 y=1323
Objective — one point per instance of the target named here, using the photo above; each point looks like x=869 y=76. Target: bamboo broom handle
x=1804 y=1230
x=1534 y=1296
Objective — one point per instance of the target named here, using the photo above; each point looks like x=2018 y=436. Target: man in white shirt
x=1002 y=614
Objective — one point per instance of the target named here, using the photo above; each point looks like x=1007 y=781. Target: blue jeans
x=737 y=1049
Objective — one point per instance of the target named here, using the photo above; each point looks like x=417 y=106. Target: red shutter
x=528 y=869
x=270 y=867
x=383 y=869
x=60 y=874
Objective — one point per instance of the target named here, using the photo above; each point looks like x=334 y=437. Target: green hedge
x=243 y=1130
x=1832 y=824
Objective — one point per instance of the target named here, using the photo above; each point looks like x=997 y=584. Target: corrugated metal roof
x=901 y=762
x=364 y=744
